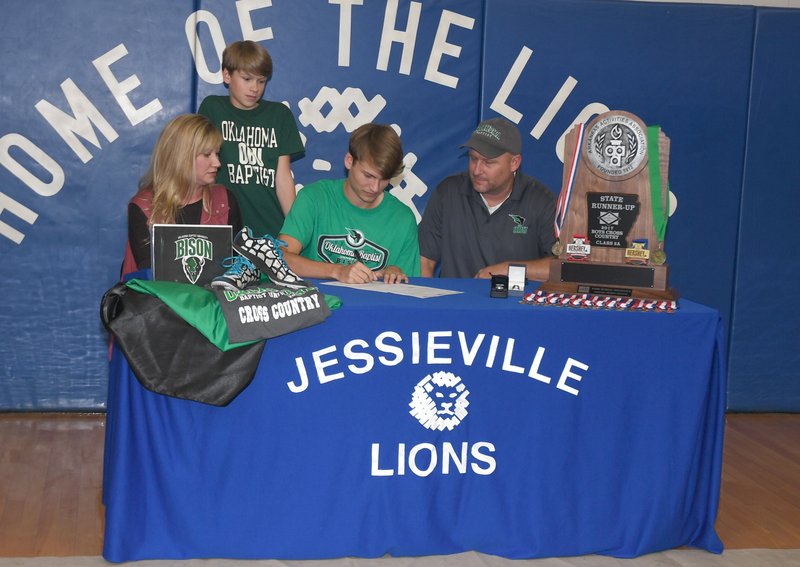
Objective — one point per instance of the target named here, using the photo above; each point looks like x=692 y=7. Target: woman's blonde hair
x=171 y=175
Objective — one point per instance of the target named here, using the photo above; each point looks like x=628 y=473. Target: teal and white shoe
x=266 y=254
x=240 y=273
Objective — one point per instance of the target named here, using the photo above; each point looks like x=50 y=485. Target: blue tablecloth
x=576 y=432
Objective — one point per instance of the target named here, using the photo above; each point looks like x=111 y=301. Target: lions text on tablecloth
x=425 y=458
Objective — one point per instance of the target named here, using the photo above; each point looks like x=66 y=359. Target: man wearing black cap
x=478 y=221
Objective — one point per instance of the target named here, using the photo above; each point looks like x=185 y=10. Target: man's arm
x=284 y=184
x=305 y=268
x=427 y=267
x=536 y=270
x=429 y=233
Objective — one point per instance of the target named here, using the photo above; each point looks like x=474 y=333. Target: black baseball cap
x=495 y=137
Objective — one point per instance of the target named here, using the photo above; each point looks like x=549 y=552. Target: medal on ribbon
x=566 y=192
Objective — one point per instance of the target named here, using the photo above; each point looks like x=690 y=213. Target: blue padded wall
x=62 y=222
x=764 y=370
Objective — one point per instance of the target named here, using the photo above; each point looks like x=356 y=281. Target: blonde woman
x=179 y=187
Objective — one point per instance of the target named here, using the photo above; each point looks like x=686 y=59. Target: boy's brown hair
x=247 y=56
x=380 y=145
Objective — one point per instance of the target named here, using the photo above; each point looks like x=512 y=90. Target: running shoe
x=240 y=273
x=266 y=254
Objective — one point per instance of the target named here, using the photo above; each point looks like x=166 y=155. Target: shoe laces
x=237 y=264
x=276 y=244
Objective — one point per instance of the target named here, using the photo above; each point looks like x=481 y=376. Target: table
x=571 y=432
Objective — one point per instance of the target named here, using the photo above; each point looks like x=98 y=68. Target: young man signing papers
x=352 y=229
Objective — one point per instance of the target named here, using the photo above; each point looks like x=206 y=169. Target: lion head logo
x=440 y=401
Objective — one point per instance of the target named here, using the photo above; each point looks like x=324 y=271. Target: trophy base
x=618 y=280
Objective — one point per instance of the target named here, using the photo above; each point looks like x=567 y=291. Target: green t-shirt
x=252 y=142
x=331 y=229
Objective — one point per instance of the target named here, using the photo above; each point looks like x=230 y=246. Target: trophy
x=612 y=212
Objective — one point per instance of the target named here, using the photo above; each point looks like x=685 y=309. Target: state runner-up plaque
x=612 y=211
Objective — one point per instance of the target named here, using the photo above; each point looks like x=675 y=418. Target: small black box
x=499 y=286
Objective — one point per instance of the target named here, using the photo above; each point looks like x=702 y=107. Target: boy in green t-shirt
x=259 y=139
x=352 y=229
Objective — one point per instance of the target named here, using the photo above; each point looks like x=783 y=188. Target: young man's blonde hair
x=380 y=145
x=171 y=175
x=247 y=56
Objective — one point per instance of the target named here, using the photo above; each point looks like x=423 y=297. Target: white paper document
x=399 y=289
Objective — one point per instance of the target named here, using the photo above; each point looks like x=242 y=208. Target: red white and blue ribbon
x=585 y=300
x=566 y=191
